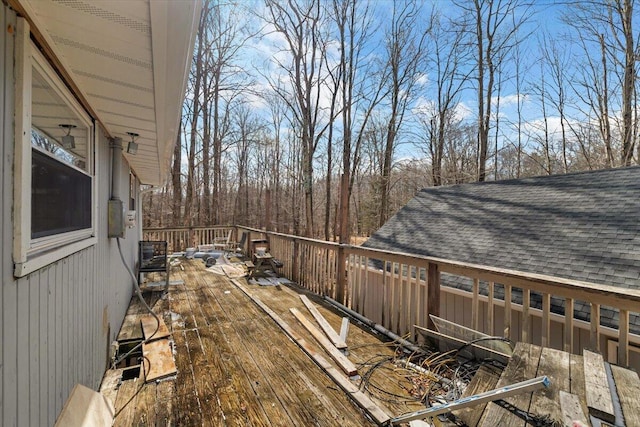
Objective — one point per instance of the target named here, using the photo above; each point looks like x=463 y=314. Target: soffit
x=129 y=60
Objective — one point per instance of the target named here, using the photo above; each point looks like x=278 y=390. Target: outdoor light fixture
x=132 y=147
x=68 y=141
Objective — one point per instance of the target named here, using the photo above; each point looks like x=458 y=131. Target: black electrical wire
x=144 y=380
x=140 y=297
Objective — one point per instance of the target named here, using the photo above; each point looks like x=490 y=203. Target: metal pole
x=489 y=396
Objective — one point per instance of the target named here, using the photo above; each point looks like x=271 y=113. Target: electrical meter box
x=116 y=218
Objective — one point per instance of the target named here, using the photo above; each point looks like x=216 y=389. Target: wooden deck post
x=267 y=202
x=341 y=273
x=433 y=293
x=294 y=262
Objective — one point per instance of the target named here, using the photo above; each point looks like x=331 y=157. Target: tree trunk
x=176 y=179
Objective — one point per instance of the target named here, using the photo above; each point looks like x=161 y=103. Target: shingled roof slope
x=583 y=226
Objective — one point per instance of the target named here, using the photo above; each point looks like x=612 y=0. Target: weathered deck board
x=286 y=357
x=576 y=374
x=326 y=327
x=571 y=409
x=158 y=359
x=523 y=366
x=152 y=328
x=378 y=414
x=628 y=386
x=484 y=380
x=546 y=401
x=242 y=337
x=165 y=391
x=345 y=364
x=186 y=405
x=384 y=383
x=126 y=403
x=145 y=410
x=599 y=398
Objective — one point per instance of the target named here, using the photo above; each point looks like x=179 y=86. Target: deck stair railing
x=398 y=290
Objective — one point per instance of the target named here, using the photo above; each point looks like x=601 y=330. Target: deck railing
x=398 y=290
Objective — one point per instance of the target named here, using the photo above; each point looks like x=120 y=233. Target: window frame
x=32 y=254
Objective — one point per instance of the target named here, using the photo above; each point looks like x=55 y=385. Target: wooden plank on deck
x=130 y=329
x=576 y=373
x=599 y=400
x=149 y=325
x=555 y=365
x=571 y=409
x=324 y=325
x=158 y=359
x=522 y=366
x=378 y=414
x=484 y=380
x=628 y=386
x=345 y=364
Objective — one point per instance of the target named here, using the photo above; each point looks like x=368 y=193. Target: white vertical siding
x=56 y=323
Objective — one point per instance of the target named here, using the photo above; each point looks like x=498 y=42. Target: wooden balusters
x=568 y=324
x=475 y=304
x=546 y=321
x=507 y=311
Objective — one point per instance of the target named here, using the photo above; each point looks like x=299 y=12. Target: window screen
x=60 y=197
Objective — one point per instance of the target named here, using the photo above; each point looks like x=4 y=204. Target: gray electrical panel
x=116 y=218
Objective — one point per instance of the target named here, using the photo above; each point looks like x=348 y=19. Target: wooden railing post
x=192 y=238
x=341 y=273
x=294 y=262
x=433 y=293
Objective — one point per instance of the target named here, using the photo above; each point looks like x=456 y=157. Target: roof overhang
x=127 y=62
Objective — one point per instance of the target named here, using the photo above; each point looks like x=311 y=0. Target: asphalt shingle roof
x=582 y=226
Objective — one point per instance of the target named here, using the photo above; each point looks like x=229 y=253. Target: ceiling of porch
x=128 y=62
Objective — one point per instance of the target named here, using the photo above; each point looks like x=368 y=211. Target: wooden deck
x=572 y=395
x=236 y=366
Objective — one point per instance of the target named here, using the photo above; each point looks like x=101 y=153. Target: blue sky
x=545 y=24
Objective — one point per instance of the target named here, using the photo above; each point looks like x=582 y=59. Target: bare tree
x=494 y=35
x=359 y=95
x=197 y=71
x=406 y=51
x=299 y=23
x=176 y=179
x=606 y=27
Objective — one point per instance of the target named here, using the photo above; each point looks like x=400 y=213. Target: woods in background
x=323 y=117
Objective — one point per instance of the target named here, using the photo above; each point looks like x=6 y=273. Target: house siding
x=56 y=323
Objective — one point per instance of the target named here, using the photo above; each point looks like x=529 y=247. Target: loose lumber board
x=86 y=408
x=484 y=380
x=158 y=359
x=125 y=405
x=572 y=409
x=599 y=400
x=628 y=386
x=377 y=414
x=555 y=364
x=130 y=329
x=326 y=327
x=345 y=364
x=576 y=373
x=522 y=366
x=149 y=325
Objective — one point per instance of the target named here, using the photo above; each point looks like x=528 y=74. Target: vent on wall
x=107 y=15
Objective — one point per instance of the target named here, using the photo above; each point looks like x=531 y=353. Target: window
x=54 y=185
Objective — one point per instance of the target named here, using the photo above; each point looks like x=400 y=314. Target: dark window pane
x=60 y=197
